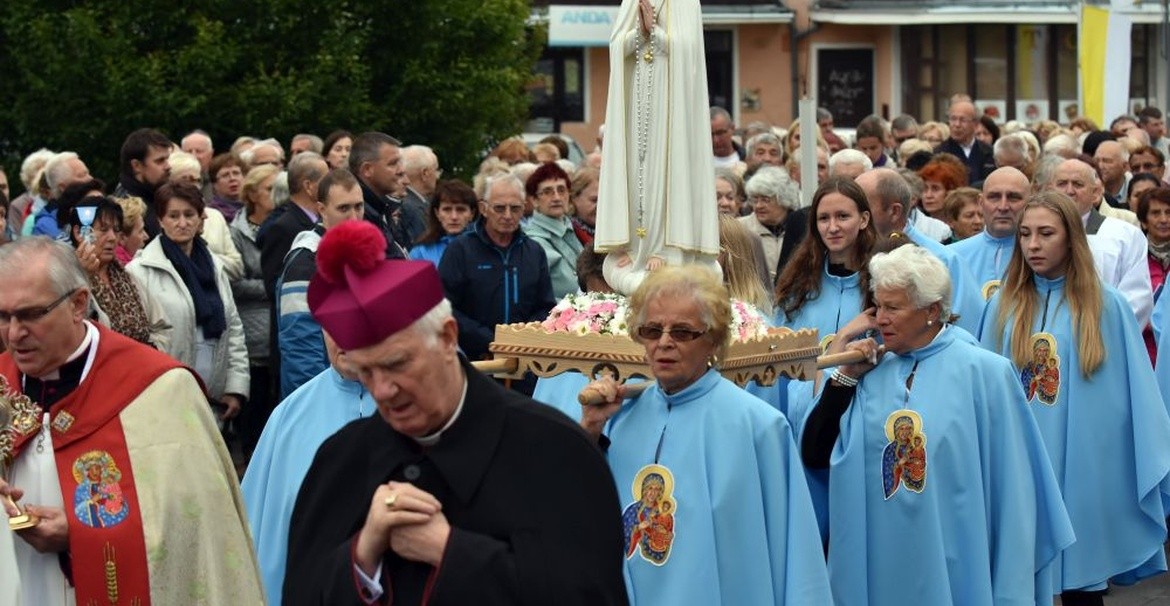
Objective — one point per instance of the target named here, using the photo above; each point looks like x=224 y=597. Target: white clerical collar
x=91 y=337
x=432 y=439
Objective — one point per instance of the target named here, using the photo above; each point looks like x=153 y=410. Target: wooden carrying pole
x=590 y=396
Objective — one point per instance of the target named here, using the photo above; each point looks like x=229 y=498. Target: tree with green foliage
x=80 y=75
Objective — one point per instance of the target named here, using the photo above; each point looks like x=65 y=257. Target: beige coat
x=154 y=271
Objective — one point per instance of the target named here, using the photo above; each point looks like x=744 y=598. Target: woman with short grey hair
x=931 y=434
x=771 y=195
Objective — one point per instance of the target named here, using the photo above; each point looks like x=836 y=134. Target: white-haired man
x=116 y=454
x=422 y=170
x=1013 y=151
x=61 y=171
x=849 y=163
x=444 y=496
x=1112 y=160
x=198 y=144
x=1119 y=249
x=267 y=151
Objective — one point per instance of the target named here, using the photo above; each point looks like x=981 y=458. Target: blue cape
x=986 y=257
x=298 y=426
x=743 y=527
x=973 y=516
x=1108 y=438
x=966 y=298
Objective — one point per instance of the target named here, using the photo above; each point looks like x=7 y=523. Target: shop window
x=557 y=90
x=1022 y=72
x=719 y=45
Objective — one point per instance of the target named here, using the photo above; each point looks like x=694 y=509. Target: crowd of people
x=1005 y=440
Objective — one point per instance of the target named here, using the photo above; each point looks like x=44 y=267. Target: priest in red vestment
x=113 y=450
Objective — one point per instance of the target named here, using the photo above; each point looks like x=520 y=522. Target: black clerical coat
x=534 y=513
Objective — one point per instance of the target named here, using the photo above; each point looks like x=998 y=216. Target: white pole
x=808 y=151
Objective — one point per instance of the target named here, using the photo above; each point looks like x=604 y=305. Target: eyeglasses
x=501 y=209
x=682 y=335
x=1144 y=167
x=559 y=190
x=757 y=200
x=30 y=315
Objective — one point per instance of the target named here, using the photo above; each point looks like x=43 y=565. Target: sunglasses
x=682 y=335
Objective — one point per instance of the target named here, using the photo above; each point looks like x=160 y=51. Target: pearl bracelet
x=843 y=379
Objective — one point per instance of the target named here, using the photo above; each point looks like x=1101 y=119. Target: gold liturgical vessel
x=25 y=519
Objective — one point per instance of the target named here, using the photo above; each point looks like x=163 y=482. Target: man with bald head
x=1113 y=167
x=422 y=169
x=987 y=254
x=198 y=144
x=1119 y=249
x=976 y=154
x=889 y=199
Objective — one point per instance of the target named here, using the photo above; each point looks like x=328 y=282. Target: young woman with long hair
x=826 y=283
x=1081 y=362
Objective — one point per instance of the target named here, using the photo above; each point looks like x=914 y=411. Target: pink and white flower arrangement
x=606 y=314
x=583 y=313
x=747 y=322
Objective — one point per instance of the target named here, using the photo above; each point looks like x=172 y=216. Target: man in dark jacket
x=145 y=166
x=457 y=491
x=376 y=160
x=976 y=154
x=495 y=274
x=300 y=214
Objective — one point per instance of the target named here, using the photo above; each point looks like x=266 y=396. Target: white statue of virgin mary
x=657 y=190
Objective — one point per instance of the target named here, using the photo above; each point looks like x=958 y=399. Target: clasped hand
x=412 y=525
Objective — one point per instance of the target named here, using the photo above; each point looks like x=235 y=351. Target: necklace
x=644 y=77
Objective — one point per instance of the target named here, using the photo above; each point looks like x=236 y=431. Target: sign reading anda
x=570 y=25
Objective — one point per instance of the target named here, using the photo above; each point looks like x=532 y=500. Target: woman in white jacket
x=196 y=297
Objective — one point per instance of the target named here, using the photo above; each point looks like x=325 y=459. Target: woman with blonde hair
x=934 y=133
x=1099 y=411
x=252 y=301
x=741 y=258
x=792 y=139
x=583 y=192
x=133 y=236
x=732 y=483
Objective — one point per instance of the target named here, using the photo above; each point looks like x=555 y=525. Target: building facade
x=1016 y=58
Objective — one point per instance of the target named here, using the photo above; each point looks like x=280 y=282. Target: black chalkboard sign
x=845 y=84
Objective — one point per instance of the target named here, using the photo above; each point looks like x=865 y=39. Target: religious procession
x=912 y=360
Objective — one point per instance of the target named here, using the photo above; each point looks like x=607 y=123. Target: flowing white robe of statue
x=9 y=578
x=657 y=170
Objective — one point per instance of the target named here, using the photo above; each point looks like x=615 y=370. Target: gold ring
x=390 y=500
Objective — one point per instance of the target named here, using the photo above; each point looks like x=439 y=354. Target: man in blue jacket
x=302 y=350
x=494 y=274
